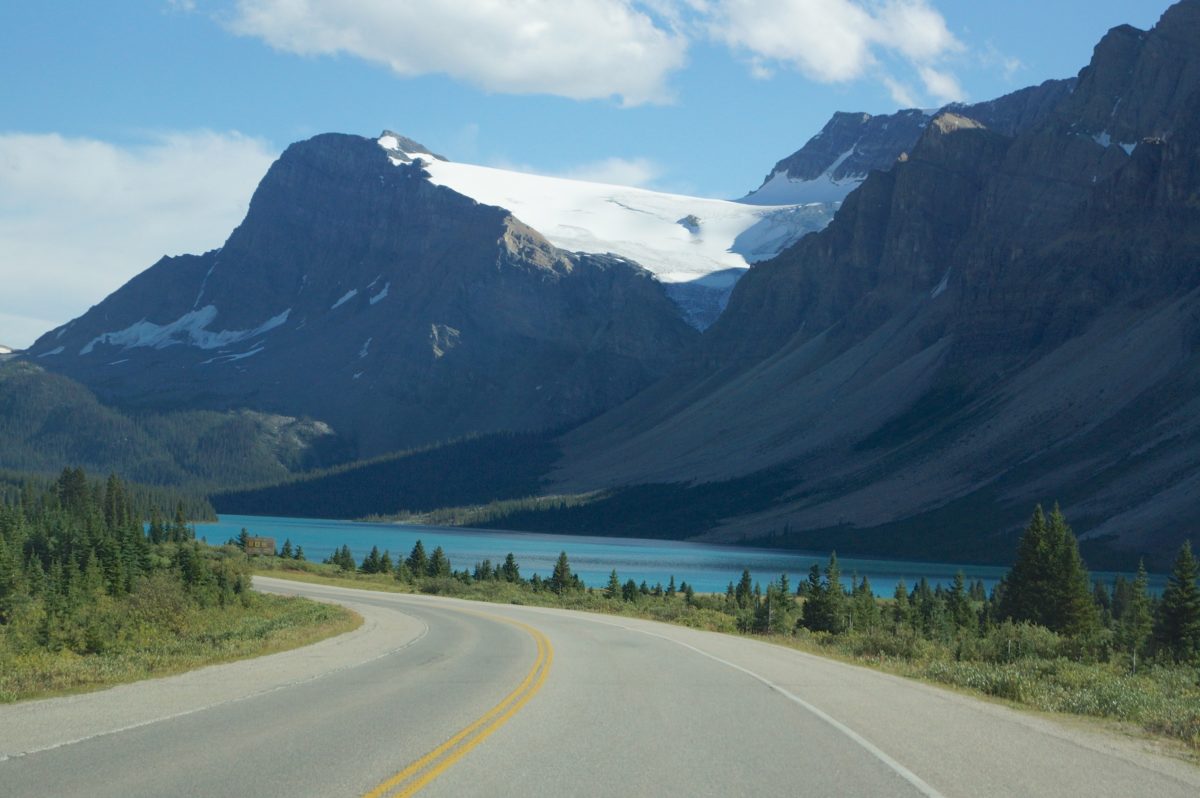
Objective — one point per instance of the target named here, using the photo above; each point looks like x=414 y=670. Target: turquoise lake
x=708 y=568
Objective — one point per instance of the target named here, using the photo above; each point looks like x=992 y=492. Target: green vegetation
x=88 y=599
x=1044 y=638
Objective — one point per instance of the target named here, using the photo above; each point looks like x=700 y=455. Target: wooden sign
x=260 y=546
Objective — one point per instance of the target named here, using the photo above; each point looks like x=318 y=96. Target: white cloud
x=79 y=217
x=940 y=85
x=584 y=49
x=641 y=172
x=836 y=41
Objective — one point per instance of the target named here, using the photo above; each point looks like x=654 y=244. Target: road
x=537 y=701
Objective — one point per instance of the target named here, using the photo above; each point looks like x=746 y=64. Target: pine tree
x=299 y=556
x=1136 y=622
x=510 y=570
x=560 y=579
x=1048 y=583
x=286 y=552
x=417 y=561
x=901 y=614
x=613 y=589
x=1072 y=608
x=1177 y=625
x=958 y=604
x=439 y=564
x=744 y=591
x=689 y=594
x=671 y=587
x=629 y=590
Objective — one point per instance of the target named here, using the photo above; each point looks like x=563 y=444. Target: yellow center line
x=445 y=755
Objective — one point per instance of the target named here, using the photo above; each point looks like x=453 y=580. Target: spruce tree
x=1177 y=625
x=1072 y=607
x=1136 y=622
x=439 y=564
x=560 y=579
x=510 y=570
x=1048 y=583
x=958 y=604
x=614 y=585
x=418 y=561
x=901 y=615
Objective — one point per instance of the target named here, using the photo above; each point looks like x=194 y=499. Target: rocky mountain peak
x=403 y=147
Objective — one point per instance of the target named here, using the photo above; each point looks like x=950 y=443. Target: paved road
x=552 y=702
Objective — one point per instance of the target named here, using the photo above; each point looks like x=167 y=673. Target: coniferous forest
x=87 y=597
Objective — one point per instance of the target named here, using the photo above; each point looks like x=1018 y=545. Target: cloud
x=79 y=217
x=584 y=49
x=618 y=171
x=942 y=86
x=837 y=41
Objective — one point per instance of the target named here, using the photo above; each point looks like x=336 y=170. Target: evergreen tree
x=613 y=589
x=417 y=561
x=371 y=563
x=510 y=570
x=901 y=614
x=560 y=579
x=864 y=609
x=629 y=591
x=1048 y=583
x=1177 y=623
x=689 y=594
x=286 y=552
x=439 y=564
x=1136 y=622
x=958 y=604
x=385 y=562
x=299 y=556
x=744 y=591
x=671 y=587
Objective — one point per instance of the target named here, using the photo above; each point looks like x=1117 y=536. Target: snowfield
x=679 y=239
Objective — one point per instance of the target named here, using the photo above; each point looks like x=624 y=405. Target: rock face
x=1010 y=314
x=852 y=145
x=359 y=294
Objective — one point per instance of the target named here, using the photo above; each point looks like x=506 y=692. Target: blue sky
x=135 y=129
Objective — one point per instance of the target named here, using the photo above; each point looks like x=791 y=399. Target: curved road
x=495 y=700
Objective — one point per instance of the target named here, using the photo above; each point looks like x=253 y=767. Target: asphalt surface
x=553 y=702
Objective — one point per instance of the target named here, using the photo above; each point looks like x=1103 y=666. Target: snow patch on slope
x=346 y=297
x=189 y=329
x=825 y=189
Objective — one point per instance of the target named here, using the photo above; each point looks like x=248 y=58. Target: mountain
x=49 y=422
x=359 y=293
x=1010 y=314
x=852 y=145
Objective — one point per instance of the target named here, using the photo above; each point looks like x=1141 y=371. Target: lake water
x=706 y=567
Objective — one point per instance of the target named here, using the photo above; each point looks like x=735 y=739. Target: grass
x=1163 y=701
x=191 y=639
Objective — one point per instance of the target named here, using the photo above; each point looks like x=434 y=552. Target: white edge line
x=900 y=770
x=193 y=711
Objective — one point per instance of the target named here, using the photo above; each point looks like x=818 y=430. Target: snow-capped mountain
x=359 y=293
x=852 y=145
x=697 y=247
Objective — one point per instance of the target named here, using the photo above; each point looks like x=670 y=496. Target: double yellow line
x=414 y=777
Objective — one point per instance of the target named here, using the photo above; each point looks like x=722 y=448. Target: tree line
x=79 y=572
x=1048 y=588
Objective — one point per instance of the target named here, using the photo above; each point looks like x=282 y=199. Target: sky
x=138 y=129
